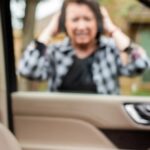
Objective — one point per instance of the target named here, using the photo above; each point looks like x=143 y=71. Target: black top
x=79 y=78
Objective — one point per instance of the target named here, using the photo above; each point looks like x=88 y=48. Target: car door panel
x=102 y=111
x=59 y=120
x=54 y=132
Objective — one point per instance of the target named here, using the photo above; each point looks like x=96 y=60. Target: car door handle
x=139 y=112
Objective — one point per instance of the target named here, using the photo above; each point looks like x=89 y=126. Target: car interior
x=65 y=121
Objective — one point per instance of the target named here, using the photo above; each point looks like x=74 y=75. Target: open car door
x=65 y=121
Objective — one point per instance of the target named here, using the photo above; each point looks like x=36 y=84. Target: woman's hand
x=122 y=40
x=109 y=26
x=50 y=30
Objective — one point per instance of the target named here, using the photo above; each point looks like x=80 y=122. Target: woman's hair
x=92 y=4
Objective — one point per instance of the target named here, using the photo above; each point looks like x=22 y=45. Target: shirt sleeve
x=138 y=62
x=36 y=62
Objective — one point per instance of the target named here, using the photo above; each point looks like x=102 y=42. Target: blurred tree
x=29 y=21
x=118 y=10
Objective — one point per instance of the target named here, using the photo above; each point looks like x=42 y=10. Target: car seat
x=7 y=139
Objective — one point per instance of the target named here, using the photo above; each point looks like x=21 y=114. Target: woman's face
x=81 y=24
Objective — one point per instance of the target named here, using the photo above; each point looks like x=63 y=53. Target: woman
x=85 y=61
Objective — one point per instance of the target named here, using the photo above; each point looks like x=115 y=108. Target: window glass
x=144 y=37
x=29 y=18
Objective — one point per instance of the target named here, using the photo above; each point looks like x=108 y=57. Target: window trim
x=9 y=59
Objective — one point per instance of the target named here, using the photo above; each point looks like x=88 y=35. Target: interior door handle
x=139 y=112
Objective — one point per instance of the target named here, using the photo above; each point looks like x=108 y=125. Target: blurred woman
x=86 y=60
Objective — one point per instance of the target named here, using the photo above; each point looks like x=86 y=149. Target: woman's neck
x=83 y=51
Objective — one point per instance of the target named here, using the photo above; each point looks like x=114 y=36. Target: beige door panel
x=57 y=133
x=105 y=112
x=69 y=121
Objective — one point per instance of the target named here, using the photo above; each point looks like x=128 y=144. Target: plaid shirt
x=52 y=63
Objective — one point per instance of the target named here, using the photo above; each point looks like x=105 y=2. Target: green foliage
x=142 y=93
x=122 y=7
x=104 y=2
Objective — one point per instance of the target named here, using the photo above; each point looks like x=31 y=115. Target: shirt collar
x=66 y=44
